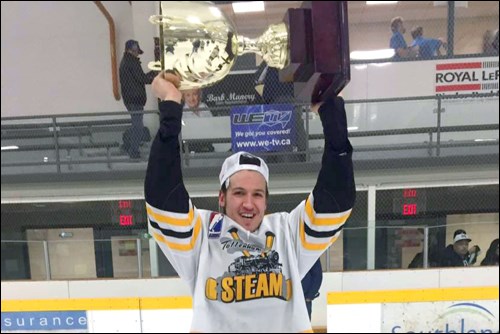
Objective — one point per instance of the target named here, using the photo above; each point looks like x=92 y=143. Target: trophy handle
x=158 y=19
x=155 y=66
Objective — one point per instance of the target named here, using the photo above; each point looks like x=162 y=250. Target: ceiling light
x=485 y=139
x=65 y=235
x=381 y=2
x=248 y=6
x=7 y=148
x=372 y=54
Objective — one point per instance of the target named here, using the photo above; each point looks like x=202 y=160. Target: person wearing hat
x=458 y=254
x=243 y=267
x=133 y=82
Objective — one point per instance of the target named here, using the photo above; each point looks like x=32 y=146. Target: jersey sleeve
x=175 y=223
x=317 y=222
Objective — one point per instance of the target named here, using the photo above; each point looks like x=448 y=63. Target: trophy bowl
x=201 y=44
x=310 y=47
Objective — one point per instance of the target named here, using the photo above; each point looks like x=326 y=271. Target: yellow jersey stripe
x=311 y=246
x=180 y=247
x=324 y=221
x=160 y=218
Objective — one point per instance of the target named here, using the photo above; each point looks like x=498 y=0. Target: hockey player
x=244 y=268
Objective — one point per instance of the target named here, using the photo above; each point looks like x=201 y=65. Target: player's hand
x=166 y=87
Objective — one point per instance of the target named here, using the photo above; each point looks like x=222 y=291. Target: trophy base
x=319 y=50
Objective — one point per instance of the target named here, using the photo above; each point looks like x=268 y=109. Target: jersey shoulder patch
x=215 y=226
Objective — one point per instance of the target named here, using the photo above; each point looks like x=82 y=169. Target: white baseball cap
x=243 y=161
x=461 y=236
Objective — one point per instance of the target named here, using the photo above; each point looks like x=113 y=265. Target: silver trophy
x=201 y=44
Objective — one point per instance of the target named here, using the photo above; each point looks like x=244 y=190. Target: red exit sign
x=409 y=193
x=409 y=209
x=126 y=220
x=124 y=204
x=413 y=202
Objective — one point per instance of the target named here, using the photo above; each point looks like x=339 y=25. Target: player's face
x=245 y=200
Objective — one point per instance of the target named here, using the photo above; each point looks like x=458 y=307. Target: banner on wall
x=441 y=317
x=466 y=77
x=67 y=321
x=235 y=89
x=263 y=128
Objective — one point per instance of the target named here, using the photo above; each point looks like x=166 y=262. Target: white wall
x=56 y=56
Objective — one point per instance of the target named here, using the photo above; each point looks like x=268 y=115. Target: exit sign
x=410 y=209
x=126 y=220
x=409 y=202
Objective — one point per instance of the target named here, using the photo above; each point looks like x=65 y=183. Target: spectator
x=491 y=258
x=458 y=254
x=494 y=44
x=398 y=43
x=193 y=106
x=311 y=283
x=427 y=47
x=433 y=254
x=490 y=42
x=133 y=82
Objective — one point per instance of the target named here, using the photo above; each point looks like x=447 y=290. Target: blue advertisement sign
x=55 y=320
x=263 y=128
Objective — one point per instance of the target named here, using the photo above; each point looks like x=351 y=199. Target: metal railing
x=46 y=137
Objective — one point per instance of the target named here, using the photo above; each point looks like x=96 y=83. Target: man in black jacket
x=133 y=82
x=458 y=254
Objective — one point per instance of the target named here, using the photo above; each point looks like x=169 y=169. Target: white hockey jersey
x=243 y=281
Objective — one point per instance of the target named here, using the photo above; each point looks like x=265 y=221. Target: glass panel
x=95 y=245
x=403 y=215
x=476 y=24
x=371 y=28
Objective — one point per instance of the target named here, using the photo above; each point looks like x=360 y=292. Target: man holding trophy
x=244 y=268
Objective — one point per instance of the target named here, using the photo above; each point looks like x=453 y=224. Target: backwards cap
x=243 y=161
